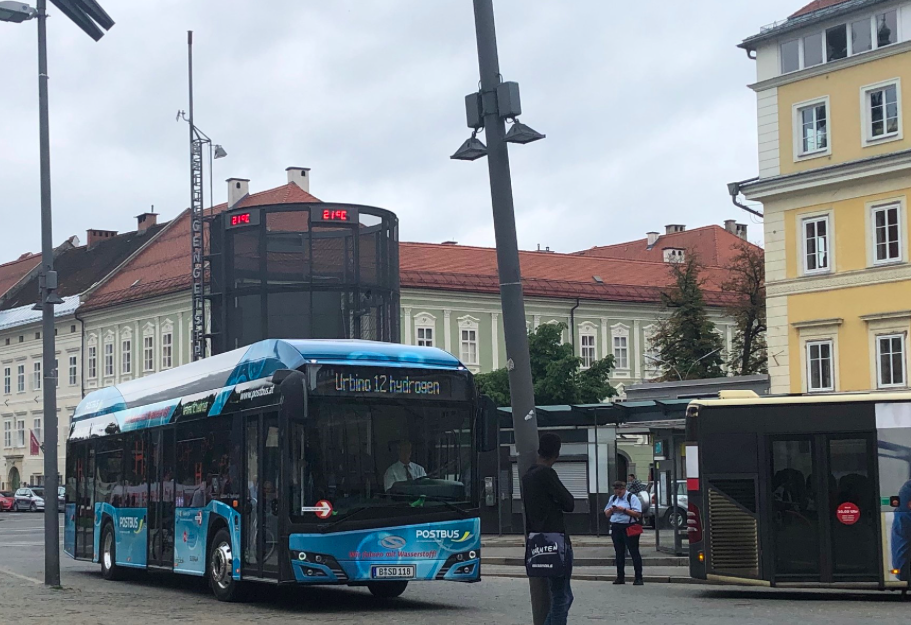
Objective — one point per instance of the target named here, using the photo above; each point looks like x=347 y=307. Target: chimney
x=652 y=238
x=93 y=237
x=300 y=176
x=238 y=189
x=741 y=231
x=145 y=221
x=672 y=228
x=730 y=225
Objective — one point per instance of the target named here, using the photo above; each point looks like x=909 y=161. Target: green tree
x=687 y=344
x=556 y=371
x=747 y=282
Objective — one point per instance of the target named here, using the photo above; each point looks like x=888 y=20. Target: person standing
x=546 y=499
x=624 y=510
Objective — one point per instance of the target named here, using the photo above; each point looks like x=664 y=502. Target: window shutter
x=574 y=476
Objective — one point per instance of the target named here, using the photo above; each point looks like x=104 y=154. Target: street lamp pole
x=92 y=19
x=521 y=387
x=48 y=284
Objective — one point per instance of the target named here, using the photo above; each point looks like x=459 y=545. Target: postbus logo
x=453 y=535
x=393 y=542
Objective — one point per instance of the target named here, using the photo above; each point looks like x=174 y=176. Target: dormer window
x=674 y=255
x=838 y=42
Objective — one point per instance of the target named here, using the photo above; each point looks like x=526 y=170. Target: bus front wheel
x=387 y=590
x=221 y=566
x=109 y=568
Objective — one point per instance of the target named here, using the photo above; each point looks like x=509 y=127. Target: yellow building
x=834 y=181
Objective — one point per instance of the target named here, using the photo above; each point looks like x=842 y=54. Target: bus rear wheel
x=109 y=568
x=387 y=590
x=221 y=567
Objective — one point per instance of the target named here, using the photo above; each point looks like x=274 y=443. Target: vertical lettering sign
x=392 y=383
x=196 y=249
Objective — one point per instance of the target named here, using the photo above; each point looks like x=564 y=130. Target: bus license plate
x=392 y=572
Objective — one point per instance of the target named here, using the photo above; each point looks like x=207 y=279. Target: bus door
x=260 y=523
x=85 y=499
x=823 y=505
x=161 y=498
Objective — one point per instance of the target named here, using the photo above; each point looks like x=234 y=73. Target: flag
x=34 y=445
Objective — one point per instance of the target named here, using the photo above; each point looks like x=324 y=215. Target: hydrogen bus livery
x=291 y=461
x=800 y=491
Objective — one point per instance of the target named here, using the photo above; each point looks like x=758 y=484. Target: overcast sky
x=645 y=107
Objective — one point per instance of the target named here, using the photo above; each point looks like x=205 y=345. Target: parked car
x=668 y=515
x=61 y=495
x=28 y=499
x=7 y=500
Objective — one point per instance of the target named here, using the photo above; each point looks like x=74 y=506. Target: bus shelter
x=591 y=460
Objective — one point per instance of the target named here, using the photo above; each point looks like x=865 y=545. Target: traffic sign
x=848 y=513
x=322 y=509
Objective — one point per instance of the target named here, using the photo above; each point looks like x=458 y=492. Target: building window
x=589 y=355
x=861 y=36
x=93 y=362
x=813 y=124
x=882 y=111
x=790 y=56
x=36 y=376
x=812 y=50
x=469 y=347
x=7 y=381
x=148 y=353
x=424 y=337
x=886 y=28
x=20 y=379
x=621 y=352
x=836 y=42
x=39 y=435
x=816 y=244
x=819 y=366
x=890 y=356
x=126 y=356
x=7 y=434
x=886 y=234
x=167 y=350
x=108 y=359
x=20 y=433
x=73 y=373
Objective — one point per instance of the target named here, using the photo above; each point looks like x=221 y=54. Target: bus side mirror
x=488 y=425
x=293 y=393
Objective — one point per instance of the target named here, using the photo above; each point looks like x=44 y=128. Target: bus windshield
x=358 y=455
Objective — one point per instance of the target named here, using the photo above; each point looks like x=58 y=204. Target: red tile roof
x=544 y=274
x=12 y=272
x=163 y=267
x=817 y=5
x=713 y=245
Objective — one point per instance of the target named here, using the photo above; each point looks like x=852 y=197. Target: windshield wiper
x=325 y=528
x=418 y=503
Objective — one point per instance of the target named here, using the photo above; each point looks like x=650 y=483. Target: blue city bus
x=289 y=462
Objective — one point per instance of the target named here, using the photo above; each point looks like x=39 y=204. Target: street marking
x=20 y=576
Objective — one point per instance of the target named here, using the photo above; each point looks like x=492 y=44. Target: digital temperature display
x=335 y=215
x=241 y=220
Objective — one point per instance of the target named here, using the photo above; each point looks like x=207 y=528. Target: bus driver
x=403 y=470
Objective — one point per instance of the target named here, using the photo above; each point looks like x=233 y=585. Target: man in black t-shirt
x=546 y=499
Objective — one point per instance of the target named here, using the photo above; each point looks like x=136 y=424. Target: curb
x=584 y=577
x=580 y=562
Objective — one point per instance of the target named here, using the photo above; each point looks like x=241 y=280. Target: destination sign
x=391 y=382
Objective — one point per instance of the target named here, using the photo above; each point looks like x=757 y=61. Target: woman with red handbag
x=624 y=510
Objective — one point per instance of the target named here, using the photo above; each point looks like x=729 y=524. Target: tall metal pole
x=521 y=388
x=196 y=219
x=48 y=284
